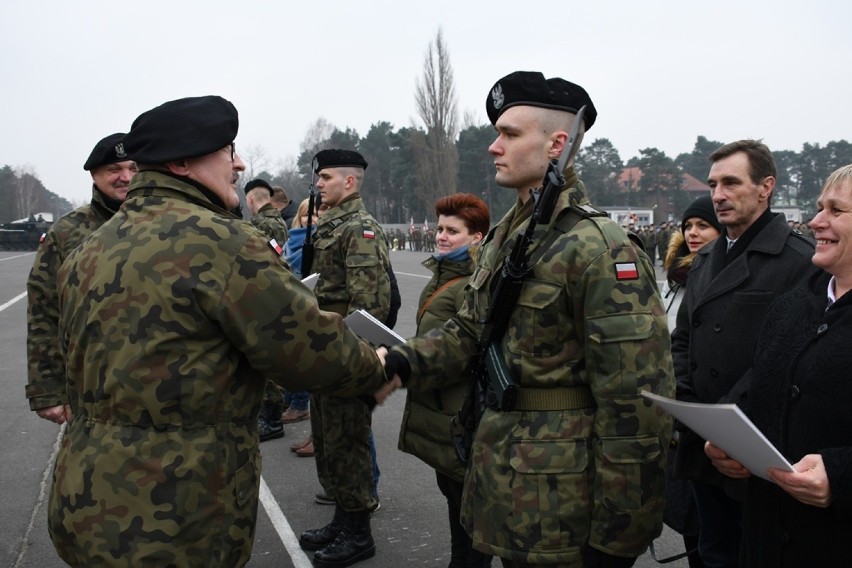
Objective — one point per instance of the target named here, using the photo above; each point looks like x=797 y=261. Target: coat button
x=794 y=392
x=822 y=329
x=693 y=366
x=696 y=322
x=714 y=373
x=717 y=328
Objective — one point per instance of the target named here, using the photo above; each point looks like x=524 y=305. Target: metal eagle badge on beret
x=119 y=150
x=497 y=97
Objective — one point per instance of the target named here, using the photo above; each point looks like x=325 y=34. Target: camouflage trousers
x=341 y=433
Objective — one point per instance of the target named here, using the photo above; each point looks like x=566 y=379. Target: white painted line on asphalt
x=46 y=477
x=282 y=527
x=16 y=256
x=13 y=300
x=414 y=275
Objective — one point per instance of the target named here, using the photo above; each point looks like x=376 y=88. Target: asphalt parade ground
x=410 y=529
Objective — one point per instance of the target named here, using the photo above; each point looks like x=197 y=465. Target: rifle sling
x=558 y=398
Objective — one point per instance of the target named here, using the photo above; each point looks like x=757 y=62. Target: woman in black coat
x=799 y=394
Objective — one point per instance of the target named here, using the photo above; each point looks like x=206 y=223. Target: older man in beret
x=173 y=315
x=572 y=474
x=352 y=260
x=111 y=172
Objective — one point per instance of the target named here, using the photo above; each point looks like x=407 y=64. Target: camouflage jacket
x=45 y=369
x=351 y=256
x=425 y=429
x=269 y=222
x=172 y=317
x=544 y=483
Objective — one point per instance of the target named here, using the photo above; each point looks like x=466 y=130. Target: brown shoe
x=299 y=445
x=292 y=415
x=306 y=451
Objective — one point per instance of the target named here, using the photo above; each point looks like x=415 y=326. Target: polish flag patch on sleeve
x=276 y=247
x=368 y=234
x=626 y=271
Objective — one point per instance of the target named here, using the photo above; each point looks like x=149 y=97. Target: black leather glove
x=594 y=558
x=396 y=364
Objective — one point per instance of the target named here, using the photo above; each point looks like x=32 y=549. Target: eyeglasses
x=233 y=150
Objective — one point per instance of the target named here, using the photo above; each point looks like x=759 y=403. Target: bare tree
x=435 y=95
x=26 y=190
x=254 y=157
x=318 y=132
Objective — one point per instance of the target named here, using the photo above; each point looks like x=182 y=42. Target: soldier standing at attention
x=173 y=316
x=573 y=475
x=268 y=221
x=351 y=257
x=111 y=172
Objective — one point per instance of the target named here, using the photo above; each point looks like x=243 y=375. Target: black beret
x=338 y=159
x=259 y=183
x=108 y=151
x=185 y=128
x=530 y=88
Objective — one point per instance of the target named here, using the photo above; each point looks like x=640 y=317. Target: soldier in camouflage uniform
x=574 y=475
x=351 y=257
x=267 y=219
x=173 y=315
x=111 y=172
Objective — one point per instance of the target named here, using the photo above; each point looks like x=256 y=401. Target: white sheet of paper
x=311 y=281
x=727 y=427
x=369 y=328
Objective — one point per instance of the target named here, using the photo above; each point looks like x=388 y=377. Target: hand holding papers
x=369 y=328
x=725 y=426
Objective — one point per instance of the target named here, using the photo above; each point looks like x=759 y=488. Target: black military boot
x=269 y=425
x=319 y=538
x=353 y=544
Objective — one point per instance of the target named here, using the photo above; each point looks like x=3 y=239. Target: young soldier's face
x=331 y=185
x=521 y=148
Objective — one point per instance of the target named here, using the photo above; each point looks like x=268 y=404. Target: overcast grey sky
x=659 y=72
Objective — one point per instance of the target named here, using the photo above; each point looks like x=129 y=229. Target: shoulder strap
x=434 y=295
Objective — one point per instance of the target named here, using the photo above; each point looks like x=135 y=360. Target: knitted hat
x=703 y=209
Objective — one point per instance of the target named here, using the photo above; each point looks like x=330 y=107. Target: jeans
x=298 y=400
x=376 y=473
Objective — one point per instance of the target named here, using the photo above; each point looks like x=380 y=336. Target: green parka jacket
x=425 y=430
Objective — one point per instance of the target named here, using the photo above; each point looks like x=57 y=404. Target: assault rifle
x=308 y=246
x=490 y=382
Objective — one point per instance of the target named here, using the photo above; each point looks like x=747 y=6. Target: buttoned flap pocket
x=540 y=324
x=549 y=485
x=246 y=484
x=630 y=475
x=615 y=328
x=361 y=260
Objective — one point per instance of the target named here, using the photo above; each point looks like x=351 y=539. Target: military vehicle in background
x=24 y=234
